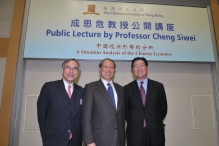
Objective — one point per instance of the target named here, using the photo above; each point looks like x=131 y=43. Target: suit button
x=115 y=128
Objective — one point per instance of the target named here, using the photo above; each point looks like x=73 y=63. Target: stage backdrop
x=120 y=31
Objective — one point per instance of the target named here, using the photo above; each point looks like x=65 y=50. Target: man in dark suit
x=103 y=111
x=146 y=108
x=59 y=109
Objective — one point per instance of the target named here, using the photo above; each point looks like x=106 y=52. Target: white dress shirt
x=114 y=90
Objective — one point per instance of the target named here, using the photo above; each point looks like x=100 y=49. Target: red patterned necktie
x=69 y=91
x=143 y=97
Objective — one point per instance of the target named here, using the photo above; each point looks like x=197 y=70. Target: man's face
x=107 y=70
x=70 y=72
x=140 y=70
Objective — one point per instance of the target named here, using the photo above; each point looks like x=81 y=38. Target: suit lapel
x=63 y=94
x=137 y=93
x=149 y=90
x=119 y=96
x=104 y=92
x=75 y=97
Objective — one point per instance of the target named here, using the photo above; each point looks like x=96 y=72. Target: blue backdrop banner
x=120 y=31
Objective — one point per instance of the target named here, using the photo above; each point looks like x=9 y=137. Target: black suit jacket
x=57 y=116
x=102 y=123
x=153 y=112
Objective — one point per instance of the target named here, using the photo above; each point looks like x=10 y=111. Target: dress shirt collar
x=106 y=82
x=144 y=84
x=66 y=85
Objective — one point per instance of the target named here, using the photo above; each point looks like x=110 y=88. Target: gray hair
x=68 y=60
x=101 y=63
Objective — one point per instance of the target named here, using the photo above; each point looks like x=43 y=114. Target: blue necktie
x=110 y=91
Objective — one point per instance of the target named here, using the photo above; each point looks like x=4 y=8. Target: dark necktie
x=143 y=97
x=110 y=91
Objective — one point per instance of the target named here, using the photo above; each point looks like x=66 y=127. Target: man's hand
x=92 y=144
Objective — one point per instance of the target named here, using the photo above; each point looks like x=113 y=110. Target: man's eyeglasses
x=139 y=66
x=68 y=68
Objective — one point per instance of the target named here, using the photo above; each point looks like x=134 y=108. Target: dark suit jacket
x=153 y=112
x=101 y=123
x=57 y=116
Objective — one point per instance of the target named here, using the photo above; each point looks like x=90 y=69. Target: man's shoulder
x=50 y=83
x=78 y=86
x=153 y=81
x=116 y=84
x=92 y=83
x=132 y=83
x=150 y=81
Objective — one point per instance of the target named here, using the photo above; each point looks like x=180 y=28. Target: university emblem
x=91 y=10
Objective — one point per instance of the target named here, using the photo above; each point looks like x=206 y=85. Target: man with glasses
x=146 y=108
x=59 y=108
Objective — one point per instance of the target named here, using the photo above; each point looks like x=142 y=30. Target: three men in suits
x=146 y=108
x=103 y=111
x=59 y=109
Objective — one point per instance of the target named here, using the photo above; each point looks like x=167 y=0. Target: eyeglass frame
x=139 y=66
x=68 y=68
